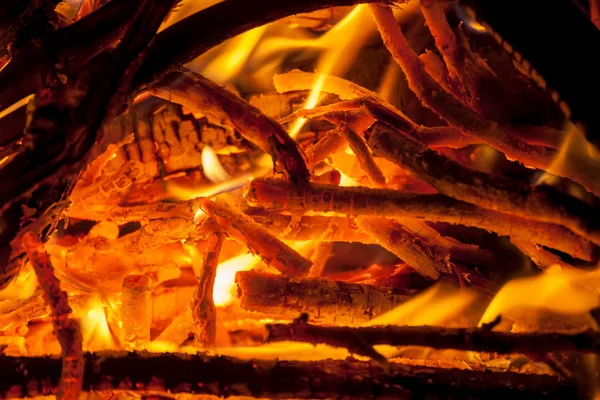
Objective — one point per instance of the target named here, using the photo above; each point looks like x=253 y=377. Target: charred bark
x=226 y=376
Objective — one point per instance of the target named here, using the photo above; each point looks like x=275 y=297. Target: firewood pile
x=166 y=235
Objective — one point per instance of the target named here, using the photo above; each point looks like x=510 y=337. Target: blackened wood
x=475 y=339
x=226 y=376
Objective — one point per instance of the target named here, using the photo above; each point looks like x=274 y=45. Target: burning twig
x=357 y=201
x=200 y=94
x=488 y=191
x=429 y=261
x=67 y=329
x=474 y=339
x=225 y=376
x=324 y=300
x=330 y=143
x=466 y=120
x=540 y=256
x=359 y=147
x=136 y=311
x=203 y=306
x=257 y=239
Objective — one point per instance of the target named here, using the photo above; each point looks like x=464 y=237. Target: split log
x=203 y=306
x=67 y=329
x=225 y=376
x=472 y=339
x=136 y=311
x=258 y=240
x=325 y=300
x=201 y=95
x=542 y=203
x=356 y=201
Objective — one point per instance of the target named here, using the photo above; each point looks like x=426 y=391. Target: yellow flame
x=95 y=329
x=223 y=292
x=21 y=288
x=212 y=167
x=431 y=307
x=557 y=290
x=228 y=64
x=342 y=42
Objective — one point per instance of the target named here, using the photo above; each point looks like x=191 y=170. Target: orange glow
x=557 y=290
x=223 y=292
x=95 y=328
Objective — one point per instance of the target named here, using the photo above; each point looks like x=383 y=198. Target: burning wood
x=475 y=339
x=324 y=300
x=356 y=201
x=203 y=306
x=398 y=208
x=136 y=310
x=226 y=376
x=67 y=329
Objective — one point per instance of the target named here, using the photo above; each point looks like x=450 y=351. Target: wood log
x=474 y=339
x=225 y=376
x=488 y=191
x=203 y=306
x=136 y=311
x=429 y=261
x=258 y=240
x=355 y=201
x=324 y=300
x=67 y=329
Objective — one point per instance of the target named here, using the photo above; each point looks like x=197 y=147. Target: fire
x=223 y=292
x=95 y=326
x=557 y=290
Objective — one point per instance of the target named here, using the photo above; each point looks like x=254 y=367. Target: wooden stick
x=200 y=94
x=430 y=262
x=226 y=376
x=355 y=201
x=464 y=119
x=540 y=256
x=473 y=339
x=243 y=229
x=492 y=192
x=325 y=300
x=203 y=306
x=363 y=153
x=67 y=329
x=330 y=143
x=136 y=310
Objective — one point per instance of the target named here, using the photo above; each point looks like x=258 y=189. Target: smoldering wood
x=324 y=300
x=136 y=311
x=355 y=201
x=225 y=376
x=66 y=328
x=202 y=95
x=258 y=240
x=473 y=339
x=541 y=203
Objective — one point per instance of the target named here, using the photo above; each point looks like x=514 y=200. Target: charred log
x=226 y=376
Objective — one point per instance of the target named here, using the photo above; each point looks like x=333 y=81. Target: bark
x=66 y=329
x=203 y=306
x=473 y=339
x=258 y=240
x=359 y=201
x=485 y=190
x=324 y=300
x=225 y=376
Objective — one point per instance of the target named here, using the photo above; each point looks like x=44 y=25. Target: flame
x=228 y=64
x=23 y=287
x=557 y=290
x=431 y=307
x=212 y=166
x=342 y=43
x=95 y=328
x=223 y=292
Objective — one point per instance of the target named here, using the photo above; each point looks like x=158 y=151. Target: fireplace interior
x=306 y=199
